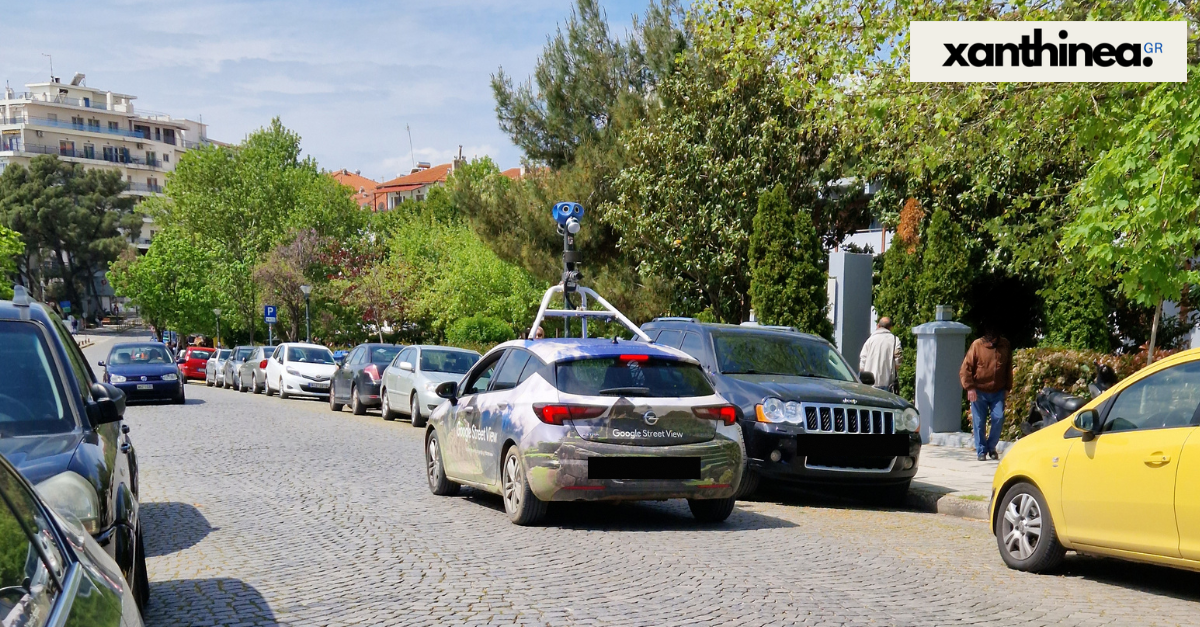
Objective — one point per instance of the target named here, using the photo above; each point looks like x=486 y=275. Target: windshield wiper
x=629 y=391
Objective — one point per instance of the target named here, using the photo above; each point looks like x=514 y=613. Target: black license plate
x=680 y=468
x=880 y=445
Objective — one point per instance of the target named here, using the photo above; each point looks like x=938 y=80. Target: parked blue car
x=144 y=371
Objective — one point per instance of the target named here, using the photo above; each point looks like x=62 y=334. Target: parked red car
x=192 y=362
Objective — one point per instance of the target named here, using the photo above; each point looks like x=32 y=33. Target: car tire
x=385 y=407
x=267 y=387
x=283 y=395
x=520 y=503
x=414 y=411
x=207 y=382
x=356 y=406
x=241 y=387
x=181 y=399
x=141 y=579
x=750 y=482
x=257 y=389
x=1023 y=516
x=711 y=510
x=333 y=404
x=435 y=472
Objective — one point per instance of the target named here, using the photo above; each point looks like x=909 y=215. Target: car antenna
x=615 y=333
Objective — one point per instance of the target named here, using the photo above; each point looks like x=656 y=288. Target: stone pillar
x=941 y=346
x=850 y=303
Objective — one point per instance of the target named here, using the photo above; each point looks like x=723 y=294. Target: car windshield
x=223 y=354
x=242 y=353
x=148 y=354
x=32 y=397
x=640 y=376
x=778 y=354
x=309 y=355
x=383 y=355
x=452 y=362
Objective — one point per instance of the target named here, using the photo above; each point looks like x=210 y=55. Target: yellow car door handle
x=1158 y=459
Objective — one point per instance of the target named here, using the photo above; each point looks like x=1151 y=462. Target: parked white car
x=415 y=373
x=216 y=364
x=299 y=369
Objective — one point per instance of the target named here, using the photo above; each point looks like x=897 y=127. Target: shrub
x=478 y=332
x=788 y=268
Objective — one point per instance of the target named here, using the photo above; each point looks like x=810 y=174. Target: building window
x=166 y=157
x=114 y=126
x=53 y=117
x=77 y=122
x=89 y=151
x=123 y=155
x=110 y=153
x=66 y=148
x=94 y=125
x=151 y=158
x=143 y=131
x=169 y=136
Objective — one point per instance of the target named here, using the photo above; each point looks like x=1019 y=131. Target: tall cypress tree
x=788 y=267
x=946 y=271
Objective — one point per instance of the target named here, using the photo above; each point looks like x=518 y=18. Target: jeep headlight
x=908 y=420
x=770 y=410
x=116 y=378
x=69 y=493
x=170 y=376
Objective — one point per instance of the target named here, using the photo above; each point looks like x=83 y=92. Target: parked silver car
x=213 y=372
x=413 y=376
x=229 y=371
x=252 y=373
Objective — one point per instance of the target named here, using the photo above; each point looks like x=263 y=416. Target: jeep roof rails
x=773 y=327
x=675 y=319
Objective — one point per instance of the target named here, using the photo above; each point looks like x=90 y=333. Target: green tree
x=788 y=267
x=478 y=332
x=945 y=277
x=584 y=76
x=70 y=220
x=170 y=283
x=11 y=248
x=244 y=200
x=1139 y=219
x=1076 y=311
x=290 y=264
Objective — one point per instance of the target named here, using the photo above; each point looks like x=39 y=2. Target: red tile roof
x=428 y=176
x=364 y=188
x=512 y=173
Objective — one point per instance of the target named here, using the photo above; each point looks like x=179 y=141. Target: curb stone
x=950 y=504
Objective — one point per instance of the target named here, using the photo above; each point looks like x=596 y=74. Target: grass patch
x=973 y=497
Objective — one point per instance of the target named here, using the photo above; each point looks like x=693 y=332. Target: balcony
x=80 y=154
x=85 y=103
x=47 y=122
x=144 y=188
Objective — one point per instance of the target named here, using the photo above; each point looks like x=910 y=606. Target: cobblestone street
x=259 y=511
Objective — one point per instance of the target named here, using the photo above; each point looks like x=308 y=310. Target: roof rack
x=675 y=319
x=583 y=313
x=773 y=327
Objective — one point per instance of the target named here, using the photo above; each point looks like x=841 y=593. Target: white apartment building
x=97 y=128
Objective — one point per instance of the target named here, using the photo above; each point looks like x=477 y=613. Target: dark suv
x=805 y=415
x=62 y=429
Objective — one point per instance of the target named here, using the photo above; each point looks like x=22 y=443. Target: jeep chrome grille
x=847 y=419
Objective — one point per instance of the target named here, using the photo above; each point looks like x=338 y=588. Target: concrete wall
x=851 y=305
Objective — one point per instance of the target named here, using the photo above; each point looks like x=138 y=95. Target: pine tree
x=788 y=267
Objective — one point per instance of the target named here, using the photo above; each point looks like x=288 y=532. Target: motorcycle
x=1052 y=405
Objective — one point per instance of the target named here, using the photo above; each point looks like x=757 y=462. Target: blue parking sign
x=269 y=314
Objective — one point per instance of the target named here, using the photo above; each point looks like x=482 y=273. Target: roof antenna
x=411 y=155
x=51 y=66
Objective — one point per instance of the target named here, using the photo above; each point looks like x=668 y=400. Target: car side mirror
x=100 y=363
x=447 y=390
x=867 y=378
x=340 y=361
x=1087 y=422
x=404 y=365
x=108 y=406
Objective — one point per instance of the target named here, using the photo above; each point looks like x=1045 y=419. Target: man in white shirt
x=880 y=356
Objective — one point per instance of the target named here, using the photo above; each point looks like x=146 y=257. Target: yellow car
x=1121 y=478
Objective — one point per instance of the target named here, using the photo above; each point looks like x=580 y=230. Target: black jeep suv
x=805 y=415
x=62 y=429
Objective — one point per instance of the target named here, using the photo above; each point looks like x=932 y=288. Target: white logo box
x=1119 y=52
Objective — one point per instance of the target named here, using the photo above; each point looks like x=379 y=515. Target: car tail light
x=262 y=364
x=556 y=414
x=725 y=413
x=372 y=371
x=634 y=358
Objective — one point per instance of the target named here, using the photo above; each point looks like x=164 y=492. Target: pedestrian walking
x=986 y=375
x=880 y=356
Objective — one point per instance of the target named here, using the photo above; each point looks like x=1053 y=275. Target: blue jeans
x=987 y=403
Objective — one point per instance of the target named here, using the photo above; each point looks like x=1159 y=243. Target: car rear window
x=198 y=354
x=452 y=362
x=383 y=355
x=32 y=400
x=632 y=376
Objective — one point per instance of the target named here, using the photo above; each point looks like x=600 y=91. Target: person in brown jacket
x=986 y=375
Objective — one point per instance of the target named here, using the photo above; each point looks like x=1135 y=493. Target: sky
x=348 y=76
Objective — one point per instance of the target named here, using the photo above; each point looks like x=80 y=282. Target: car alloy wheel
x=356 y=406
x=414 y=411
x=434 y=471
x=1022 y=526
x=513 y=486
x=282 y=393
x=385 y=407
x=520 y=503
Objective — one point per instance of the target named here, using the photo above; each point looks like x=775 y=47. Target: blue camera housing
x=564 y=211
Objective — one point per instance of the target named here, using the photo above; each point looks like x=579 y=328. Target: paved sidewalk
x=950 y=480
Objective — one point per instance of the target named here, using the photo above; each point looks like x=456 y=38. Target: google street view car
x=585 y=419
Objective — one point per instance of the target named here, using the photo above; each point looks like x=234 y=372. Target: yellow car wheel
x=1025 y=533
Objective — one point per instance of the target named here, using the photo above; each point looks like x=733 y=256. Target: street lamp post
x=217 y=314
x=307 y=289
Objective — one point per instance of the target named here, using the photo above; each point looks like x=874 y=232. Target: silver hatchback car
x=586 y=419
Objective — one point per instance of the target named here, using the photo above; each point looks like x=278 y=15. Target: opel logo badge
x=650 y=418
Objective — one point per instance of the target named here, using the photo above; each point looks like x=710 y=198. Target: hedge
x=1069 y=370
